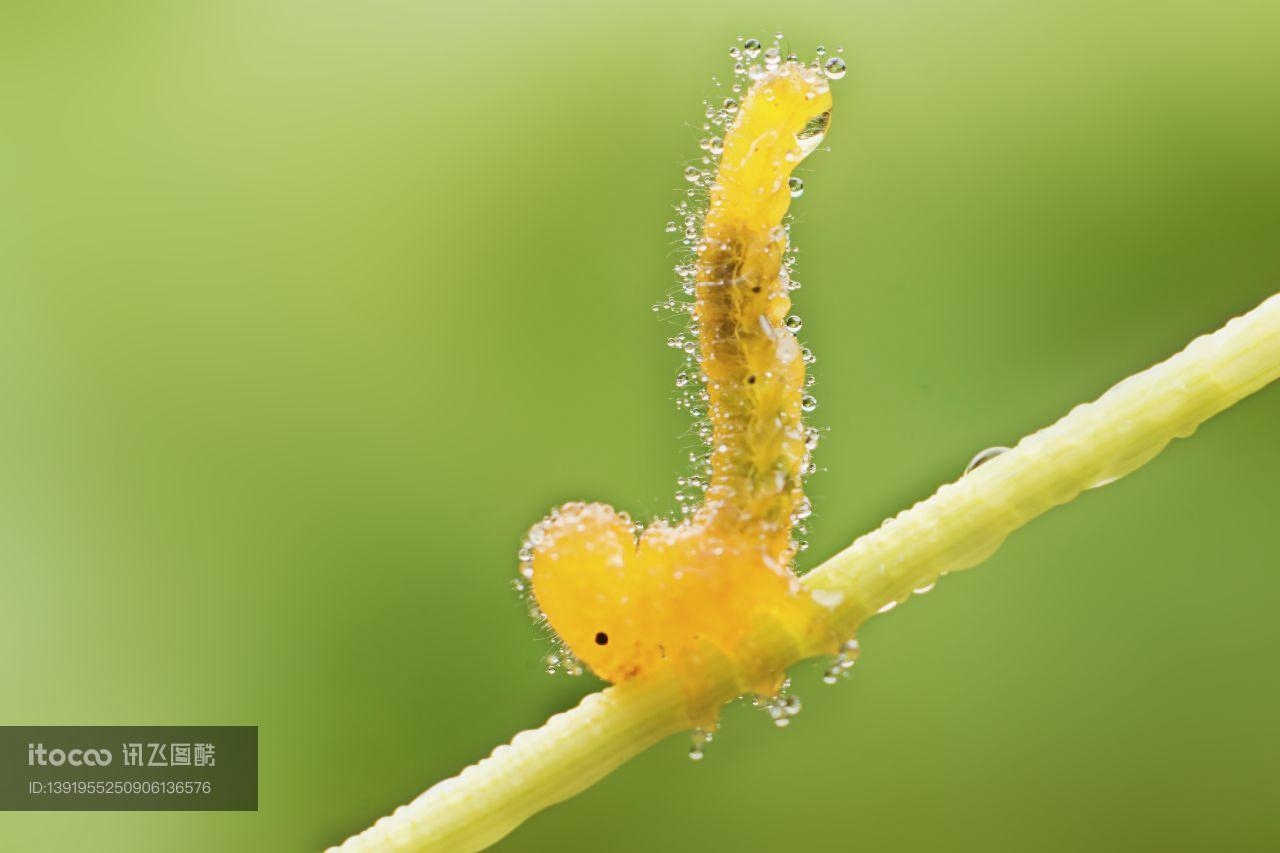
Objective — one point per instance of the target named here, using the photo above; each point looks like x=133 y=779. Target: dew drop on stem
x=985 y=457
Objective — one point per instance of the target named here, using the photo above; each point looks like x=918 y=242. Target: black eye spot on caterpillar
x=602 y=639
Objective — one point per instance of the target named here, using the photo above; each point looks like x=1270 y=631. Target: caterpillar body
x=676 y=594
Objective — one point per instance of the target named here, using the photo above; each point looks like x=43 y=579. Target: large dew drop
x=985 y=457
x=810 y=136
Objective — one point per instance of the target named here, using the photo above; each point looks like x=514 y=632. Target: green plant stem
x=961 y=525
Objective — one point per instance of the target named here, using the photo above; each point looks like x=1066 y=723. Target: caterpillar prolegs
x=626 y=601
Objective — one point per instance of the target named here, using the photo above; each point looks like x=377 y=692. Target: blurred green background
x=308 y=310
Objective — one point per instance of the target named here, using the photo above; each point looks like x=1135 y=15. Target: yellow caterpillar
x=677 y=594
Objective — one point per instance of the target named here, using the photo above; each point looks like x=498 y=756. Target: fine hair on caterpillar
x=625 y=600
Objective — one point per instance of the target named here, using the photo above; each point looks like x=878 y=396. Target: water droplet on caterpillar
x=700 y=738
x=810 y=136
x=835 y=68
x=796 y=185
x=751 y=48
x=692 y=174
x=782 y=708
x=803 y=510
x=794 y=323
x=772 y=58
x=984 y=457
x=808 y=403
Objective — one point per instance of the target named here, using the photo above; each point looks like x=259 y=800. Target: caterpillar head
x=590 y=582
x=624 y=605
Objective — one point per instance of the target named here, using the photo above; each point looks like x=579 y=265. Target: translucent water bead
x=842 y=663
